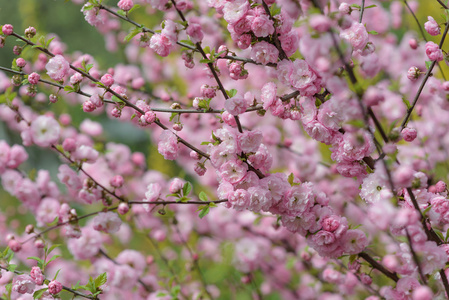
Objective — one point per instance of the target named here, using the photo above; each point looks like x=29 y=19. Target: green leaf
x=133 y=8
x=355 y=6
x=48 y=42
x=188 y=42
x=69 y=89
x=53 y=247
x=428 y=64
x=291 y=177
x=373 y=32
x=206 y=61
x=52 y=259
x=183 y=199
x=56 y=275
x=406 y=102
x=89 y=66
x=231 y=93
x=121 y=12
x=132 y=34
x=12 y=267
x=186 y=188
x=370 y=6
x=439 y=234
x=101 y=279
x=39 y=261
x=204 y=212
x=357 y=123
x=173 y=115
x=352 y=258
x=38 y=294
x=203 y=196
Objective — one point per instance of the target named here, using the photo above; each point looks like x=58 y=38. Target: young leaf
x=203 y=196
x=204 y=212
x=186 y=188
x=56 y=275
x=38 y=294
x=101 y=279
x=232 y=93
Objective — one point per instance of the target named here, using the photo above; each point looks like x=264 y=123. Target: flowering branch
x=75 y=293
x=211 y=67
x=423 y=82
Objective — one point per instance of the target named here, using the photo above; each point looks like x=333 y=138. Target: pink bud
x=33 y=78
x=88 y=106
x=54 y=287
x=413 y=43
x=30 y=32
x=14 y=245
x=123 y=208
x=107 y=80
x=53 y=98
x=29 y=228
x=117 y=181
x=69 y=145
x=440 y=186
x=409 y=134
x=20 y=62
x=7 y=29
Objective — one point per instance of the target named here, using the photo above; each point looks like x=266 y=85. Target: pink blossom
x=297 y=200
x=16 y=156
x=86 y=154
x=233 y=171
x=236 y=105
x=261 y=25
x=57 y=68
x=23 y=284
x=152 y=194
x=235 y=10
x=176 y=185
x=125 y=5
x=239 y=199
x=249 y=141
x=356 y=35
x=195 y=32
x=264 y=53
x=320 y=23
x=268 y=94
x=87 y=245
x=432 y=27
x=161 y=44
x=69 y=177
x=37 y=276
x=289 y=42
x=44 y=131
x=422 y=293
x=277 y=184
x=354 y=241
x=107 y=222
x=47 y=211
x=260 y=199
x=168 y=145
x=54 y=287
x=433 y=52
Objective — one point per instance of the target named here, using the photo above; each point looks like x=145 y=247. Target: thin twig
x=378 y=266
x=423 y=83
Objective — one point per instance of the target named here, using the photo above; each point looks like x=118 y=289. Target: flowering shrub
x=308 y=139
